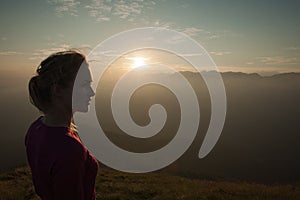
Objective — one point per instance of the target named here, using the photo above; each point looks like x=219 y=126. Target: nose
x=92 y=93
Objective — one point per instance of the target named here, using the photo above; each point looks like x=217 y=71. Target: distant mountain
x=260 y=141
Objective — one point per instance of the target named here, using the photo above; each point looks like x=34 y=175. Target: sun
x=138 y=62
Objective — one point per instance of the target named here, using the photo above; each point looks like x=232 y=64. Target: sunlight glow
x=138 y=61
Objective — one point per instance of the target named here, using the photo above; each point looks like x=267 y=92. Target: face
x=82 y=90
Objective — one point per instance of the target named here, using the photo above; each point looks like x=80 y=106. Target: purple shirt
x=61 y=166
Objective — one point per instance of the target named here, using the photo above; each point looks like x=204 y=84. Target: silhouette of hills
x=259 y=142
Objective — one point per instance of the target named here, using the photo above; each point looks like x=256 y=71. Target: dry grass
x=113 y=185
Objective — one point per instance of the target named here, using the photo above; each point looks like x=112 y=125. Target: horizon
x=254 y=45
x=253 y=126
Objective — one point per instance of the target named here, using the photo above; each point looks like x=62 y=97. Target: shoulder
x=72 y=144
x=70 y=150
x=33 y=130
x=70 y=154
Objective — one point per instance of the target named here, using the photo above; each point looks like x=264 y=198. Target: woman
x=61 y=166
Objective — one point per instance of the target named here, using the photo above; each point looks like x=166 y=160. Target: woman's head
x=54 y=80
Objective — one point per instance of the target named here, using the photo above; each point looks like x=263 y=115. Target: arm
x=68 y=173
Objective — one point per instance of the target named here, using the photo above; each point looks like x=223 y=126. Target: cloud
x=104 y=56
x=191 y=31
x=101 y=19
x=294 y=48
x=99 y=9
x=124 y=9
x=190 y=54
x=220 y=53
x=41 y=54
x=279 y=60
x=3 y=38
x=214 y=36
x=162 y=24
x=206 y=34
x=175 y=39
x=10 y=53
x=65 y=7
x=104 y=10
x=134 y=11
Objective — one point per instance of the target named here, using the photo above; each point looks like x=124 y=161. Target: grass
x=113 y=185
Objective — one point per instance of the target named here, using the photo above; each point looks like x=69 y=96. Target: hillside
x=260 y=138
x=113 y=185
x=260 y=141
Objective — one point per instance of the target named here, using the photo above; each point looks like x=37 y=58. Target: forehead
x=84 y=73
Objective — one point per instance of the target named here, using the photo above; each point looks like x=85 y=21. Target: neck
x=58 y=119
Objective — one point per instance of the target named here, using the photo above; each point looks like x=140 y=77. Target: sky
x=249 y=36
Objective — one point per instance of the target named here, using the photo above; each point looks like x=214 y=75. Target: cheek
x=80 y=94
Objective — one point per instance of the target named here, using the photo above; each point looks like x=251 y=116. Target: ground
x=113 y=185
